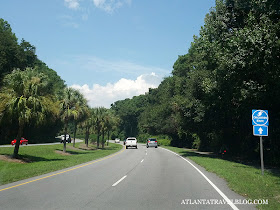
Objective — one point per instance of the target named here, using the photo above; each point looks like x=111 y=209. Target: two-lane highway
x=143 y=178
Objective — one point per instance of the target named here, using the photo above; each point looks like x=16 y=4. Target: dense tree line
x=232 y=67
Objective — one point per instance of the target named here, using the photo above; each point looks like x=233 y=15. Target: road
x=143 y=178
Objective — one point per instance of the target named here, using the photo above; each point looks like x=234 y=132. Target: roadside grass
x=244 y=179
x=38 y=160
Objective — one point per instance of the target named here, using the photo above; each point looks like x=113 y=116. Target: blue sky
x=108 y=49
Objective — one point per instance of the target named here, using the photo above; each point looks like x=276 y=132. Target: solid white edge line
x=208 y=180
x=119 y=181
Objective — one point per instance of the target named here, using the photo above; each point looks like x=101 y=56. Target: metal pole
x=261 y=151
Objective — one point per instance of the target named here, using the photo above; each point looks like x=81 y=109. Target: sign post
x=260 y=128
x=261 y=151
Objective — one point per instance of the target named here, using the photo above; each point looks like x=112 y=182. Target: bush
x=161 y=139
x=143 y=137
x=196 y=142
x=164 y=142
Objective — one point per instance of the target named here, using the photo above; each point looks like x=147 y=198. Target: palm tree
x=88 y=123
x=102 y=118
x=111 y=122
x=98 y=122
x=81 y=108
x=68 y=111
x=25 y=96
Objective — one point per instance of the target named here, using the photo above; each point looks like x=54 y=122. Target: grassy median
x=244 y=179
x=38 y=160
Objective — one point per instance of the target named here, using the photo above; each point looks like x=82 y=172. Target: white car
x=68 y=138
x=117 y=140
x=131 y=142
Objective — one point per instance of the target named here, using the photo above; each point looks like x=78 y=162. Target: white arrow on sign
x=260 y=130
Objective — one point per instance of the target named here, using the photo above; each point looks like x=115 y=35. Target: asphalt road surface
x=143 y=178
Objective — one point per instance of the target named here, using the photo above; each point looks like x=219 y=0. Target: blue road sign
x=260 y=130
x=260 y=117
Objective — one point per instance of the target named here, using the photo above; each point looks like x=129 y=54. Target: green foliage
x=26 y=96
x=99 y=122
x=163 y=142
x=128 y=111
x=143 y=137
x=73 y=107
x=26 y=100
x=8 y=49
x=56 y=84
x=12 y=54
x=196 y=142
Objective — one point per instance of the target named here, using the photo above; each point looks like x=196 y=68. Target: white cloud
x=72 y=4
x=106 y=95
x=110 y=5
x=99 y=3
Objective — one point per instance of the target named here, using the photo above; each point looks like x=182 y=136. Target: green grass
x=45 y=159
x=246 y=180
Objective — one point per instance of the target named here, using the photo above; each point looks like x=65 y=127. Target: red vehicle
x=22 y=141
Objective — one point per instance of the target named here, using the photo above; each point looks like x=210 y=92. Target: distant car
x=21 y=142
x=117 y=140
x=68 y=138
x=152 y=142
x=131 y=142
